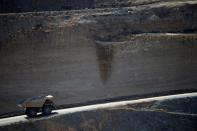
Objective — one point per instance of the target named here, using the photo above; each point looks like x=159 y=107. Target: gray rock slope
x=79 y=56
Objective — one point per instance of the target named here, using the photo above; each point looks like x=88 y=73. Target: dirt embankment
x=97 y=54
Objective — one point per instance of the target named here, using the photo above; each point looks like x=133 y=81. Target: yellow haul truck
x=36 y=104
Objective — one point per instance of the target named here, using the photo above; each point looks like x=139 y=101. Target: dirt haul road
x=24 y=118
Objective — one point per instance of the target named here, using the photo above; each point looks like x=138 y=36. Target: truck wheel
x=31 y=112
x=46 y=110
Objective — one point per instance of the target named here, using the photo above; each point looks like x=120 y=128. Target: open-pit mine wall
x=79 y=56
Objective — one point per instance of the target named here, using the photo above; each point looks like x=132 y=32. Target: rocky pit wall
x=85 y=55
x=177 y=114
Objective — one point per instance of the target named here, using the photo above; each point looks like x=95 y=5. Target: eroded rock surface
x=96 y=54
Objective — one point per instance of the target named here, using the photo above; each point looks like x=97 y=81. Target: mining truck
x=37 y=104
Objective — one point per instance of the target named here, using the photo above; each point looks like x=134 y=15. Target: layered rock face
x=79 y=56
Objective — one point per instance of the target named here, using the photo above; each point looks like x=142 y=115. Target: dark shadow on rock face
x=15 y=6
x=104 y=58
